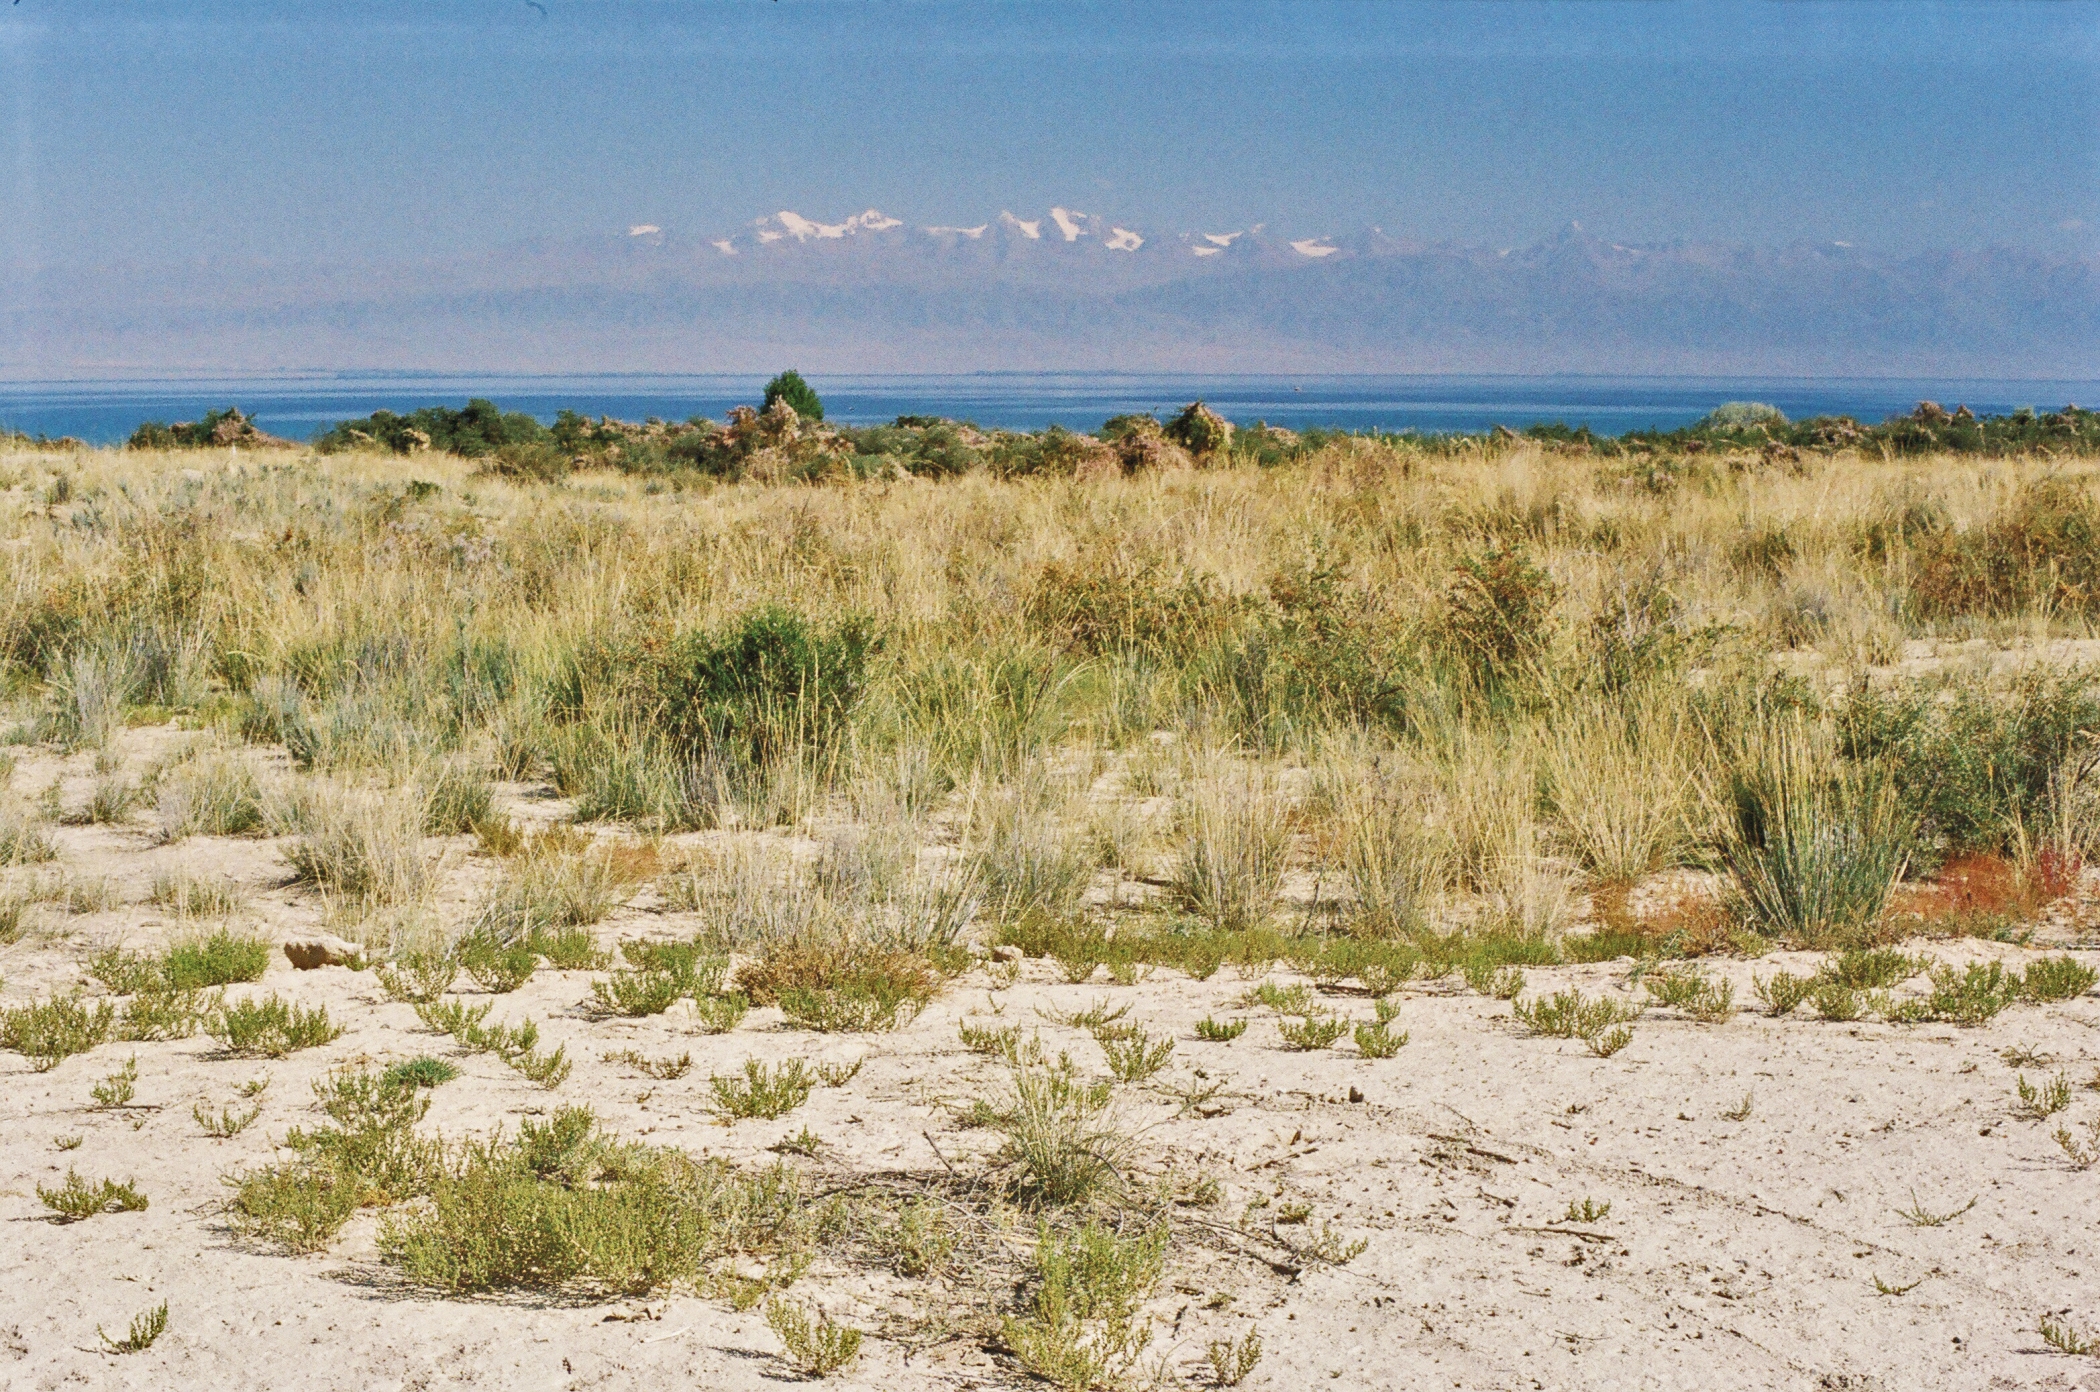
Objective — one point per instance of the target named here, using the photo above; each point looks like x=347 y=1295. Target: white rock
x=322 y=950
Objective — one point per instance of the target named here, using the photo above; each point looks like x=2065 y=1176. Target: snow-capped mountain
x=1067 y=287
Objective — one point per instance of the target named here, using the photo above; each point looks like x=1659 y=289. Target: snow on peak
x=644 y=229
x=1123 y=239
x=1222 y=240
x=1314 y=247
x=725 y=246
x=1067 y=223
x=802 y=229
x=1033 y=231
x=973 y=233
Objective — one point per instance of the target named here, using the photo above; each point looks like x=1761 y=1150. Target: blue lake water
x=298 y=407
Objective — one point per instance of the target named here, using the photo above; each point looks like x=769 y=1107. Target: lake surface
x=298 y=407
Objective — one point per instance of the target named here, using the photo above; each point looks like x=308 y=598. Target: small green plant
x=1972 y=996
x=161 y=1014
x=763 y=1090
x=2065 y=1338
x=1690 y=990
x=1871 y=969
x=1605 y=1043
x=49 y=1032
x=636 y=993
x=1134 y=1057
x=223 y=959
x=805 y=1143
x=2083 y=1154
x=1782 y=992
x=226 y=1123
x=990 y=1039
x=2057 y=978
x=420 y=1072
x=77 y=1199
x=1588 y=1210
x=498 y=967
x=118 y=1088
x=1230 y=1363
x=1835 y=1001
x=271 y=1027
x=1882 y=1287
x=145 y=1328
x=1378 y=1040
x=549 y=1070
x=1741 y=1110
x=2041 y=1103
x=1219 y=1031
x=1569 y=1015
x=72 y=1142
x=920 y=1241
x=1081 y=1324
x=818 y=1347
x=1310 y=1033
x=1918 y=1216
x=417 y=977
x=1285 y=1000
x=720 y=1014
x=837 y=1075
x=664 y=1070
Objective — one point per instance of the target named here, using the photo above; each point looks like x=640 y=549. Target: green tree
x=790 y=387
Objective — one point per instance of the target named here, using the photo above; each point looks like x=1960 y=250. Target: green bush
x=1975 y=765
x=271 y=1027
x=790 y=387
x=222 y=959
x=480 y=429
x=49 y=1032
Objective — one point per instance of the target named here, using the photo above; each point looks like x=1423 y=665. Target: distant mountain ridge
x=1068 y=289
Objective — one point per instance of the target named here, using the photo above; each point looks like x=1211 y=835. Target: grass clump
x=418 y=977
x=271 y=1027
x=767 y=1091
x=77 y=1199
x=189 y=896
x=1219 y=1031
x=1061 y=1138
x=118 y=1088
x=1236 y=837
x=1134 y=1056
x=1813 y=854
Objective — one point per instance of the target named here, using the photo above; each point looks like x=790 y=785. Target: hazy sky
x=152 y=130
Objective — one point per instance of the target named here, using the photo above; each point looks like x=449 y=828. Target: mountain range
x=1072 y=290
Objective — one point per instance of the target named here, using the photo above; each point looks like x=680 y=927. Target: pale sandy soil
x=1736 y=1254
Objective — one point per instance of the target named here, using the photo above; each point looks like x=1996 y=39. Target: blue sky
x=190 y=129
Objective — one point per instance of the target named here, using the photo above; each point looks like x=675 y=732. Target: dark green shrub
x=1974 y=769
x=790 y=387
x=772 y=682
x=478 y=430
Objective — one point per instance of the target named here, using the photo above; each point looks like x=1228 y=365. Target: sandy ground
x=1755 y=1171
